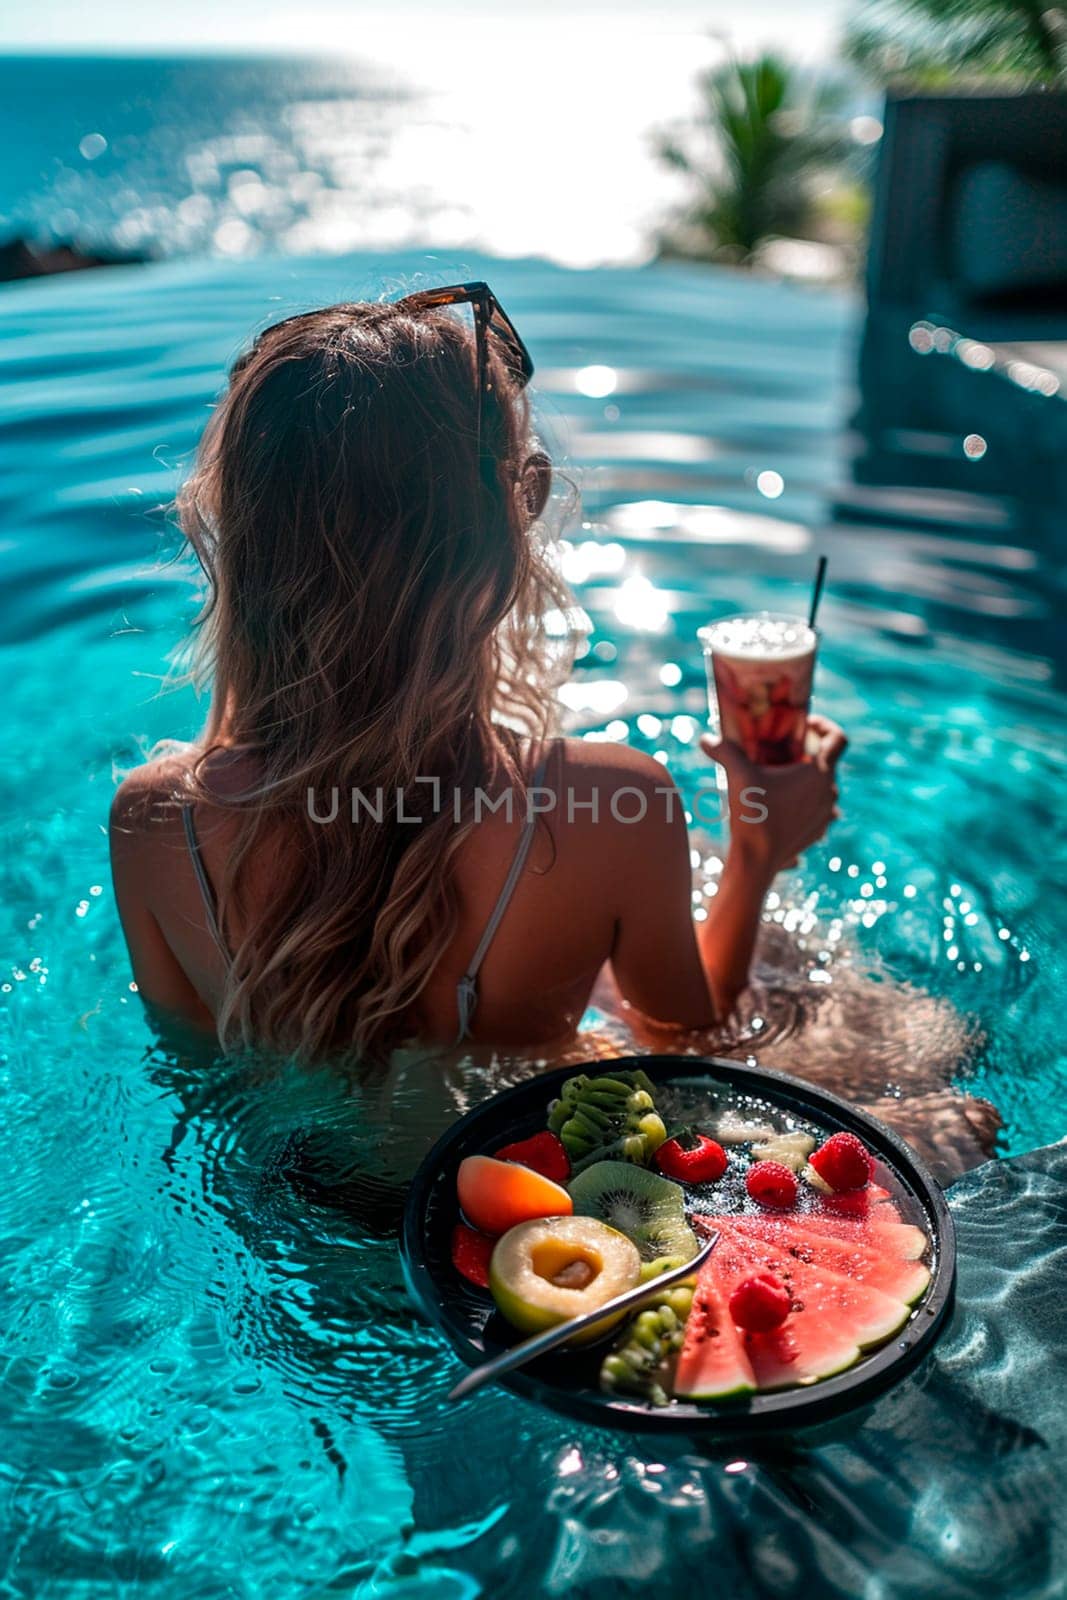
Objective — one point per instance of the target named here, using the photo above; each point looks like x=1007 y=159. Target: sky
x=805 y=29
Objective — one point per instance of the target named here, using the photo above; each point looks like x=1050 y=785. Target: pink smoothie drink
x=759 y=683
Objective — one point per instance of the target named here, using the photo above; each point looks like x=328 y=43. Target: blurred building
x=963 y=365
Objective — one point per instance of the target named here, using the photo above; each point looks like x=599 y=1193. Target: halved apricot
x=498 y=1195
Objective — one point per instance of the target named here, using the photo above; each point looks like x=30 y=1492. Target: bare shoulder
x=596 y=761
x=148 y=799
x=625 y=781
x=613 y=800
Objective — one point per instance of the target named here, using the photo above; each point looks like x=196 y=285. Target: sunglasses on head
x=489 y=318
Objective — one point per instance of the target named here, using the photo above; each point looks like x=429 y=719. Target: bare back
x=594 y=888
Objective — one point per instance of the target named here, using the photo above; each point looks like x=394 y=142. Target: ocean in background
x=231 y=156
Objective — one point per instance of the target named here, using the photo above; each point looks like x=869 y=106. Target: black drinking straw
x=816 y=593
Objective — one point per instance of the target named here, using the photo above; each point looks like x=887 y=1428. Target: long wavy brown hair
x=376 y=613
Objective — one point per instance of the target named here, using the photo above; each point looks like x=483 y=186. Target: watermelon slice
x=853 y=1268
x=859 y=1257
x=712 y=1364
x=863 y=1204
x=833 y=1317
x=901 y=1239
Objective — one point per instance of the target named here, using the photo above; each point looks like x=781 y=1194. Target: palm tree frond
x=774 y=130
x=928 y=40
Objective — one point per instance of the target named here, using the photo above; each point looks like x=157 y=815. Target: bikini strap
x=467 y=987
x=207 y=893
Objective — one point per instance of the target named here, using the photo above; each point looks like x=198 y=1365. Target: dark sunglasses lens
x=511 y=346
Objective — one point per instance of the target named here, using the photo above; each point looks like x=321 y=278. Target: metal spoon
x=528 y=1349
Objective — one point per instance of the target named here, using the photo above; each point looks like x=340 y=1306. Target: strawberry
x=760 y=1303
x=543 y=1153
x=691 y=1158
x=470 y=1254
x=772 y=1184
x=844 y=1162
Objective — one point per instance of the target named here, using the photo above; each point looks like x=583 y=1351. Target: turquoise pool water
x=213 y=1385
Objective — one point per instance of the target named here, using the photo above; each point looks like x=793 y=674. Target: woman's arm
x=135 y=865
x=686 y=975
x=776 y=813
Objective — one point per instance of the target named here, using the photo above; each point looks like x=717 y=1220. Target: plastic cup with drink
x=760 y=668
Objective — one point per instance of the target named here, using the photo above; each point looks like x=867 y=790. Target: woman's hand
x=778 y=812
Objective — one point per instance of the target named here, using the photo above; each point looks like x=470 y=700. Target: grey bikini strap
x=467 y=987
x=211 y=910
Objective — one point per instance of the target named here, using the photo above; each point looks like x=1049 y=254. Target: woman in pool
x=366 y=507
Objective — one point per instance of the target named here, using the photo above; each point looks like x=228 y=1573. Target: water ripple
x=217 y=1384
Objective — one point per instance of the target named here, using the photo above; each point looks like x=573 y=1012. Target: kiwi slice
x=648 y=1209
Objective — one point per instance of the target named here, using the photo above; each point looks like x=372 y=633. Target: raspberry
x=692 y=1158
x=844 y=1162
x=772 y=1184
x=760 y=1303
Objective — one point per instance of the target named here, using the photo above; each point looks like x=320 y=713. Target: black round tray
x=568 y=1382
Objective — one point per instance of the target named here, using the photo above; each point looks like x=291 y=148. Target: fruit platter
x=831 y=1276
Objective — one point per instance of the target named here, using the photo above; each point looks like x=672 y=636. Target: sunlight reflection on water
x=396 y=144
